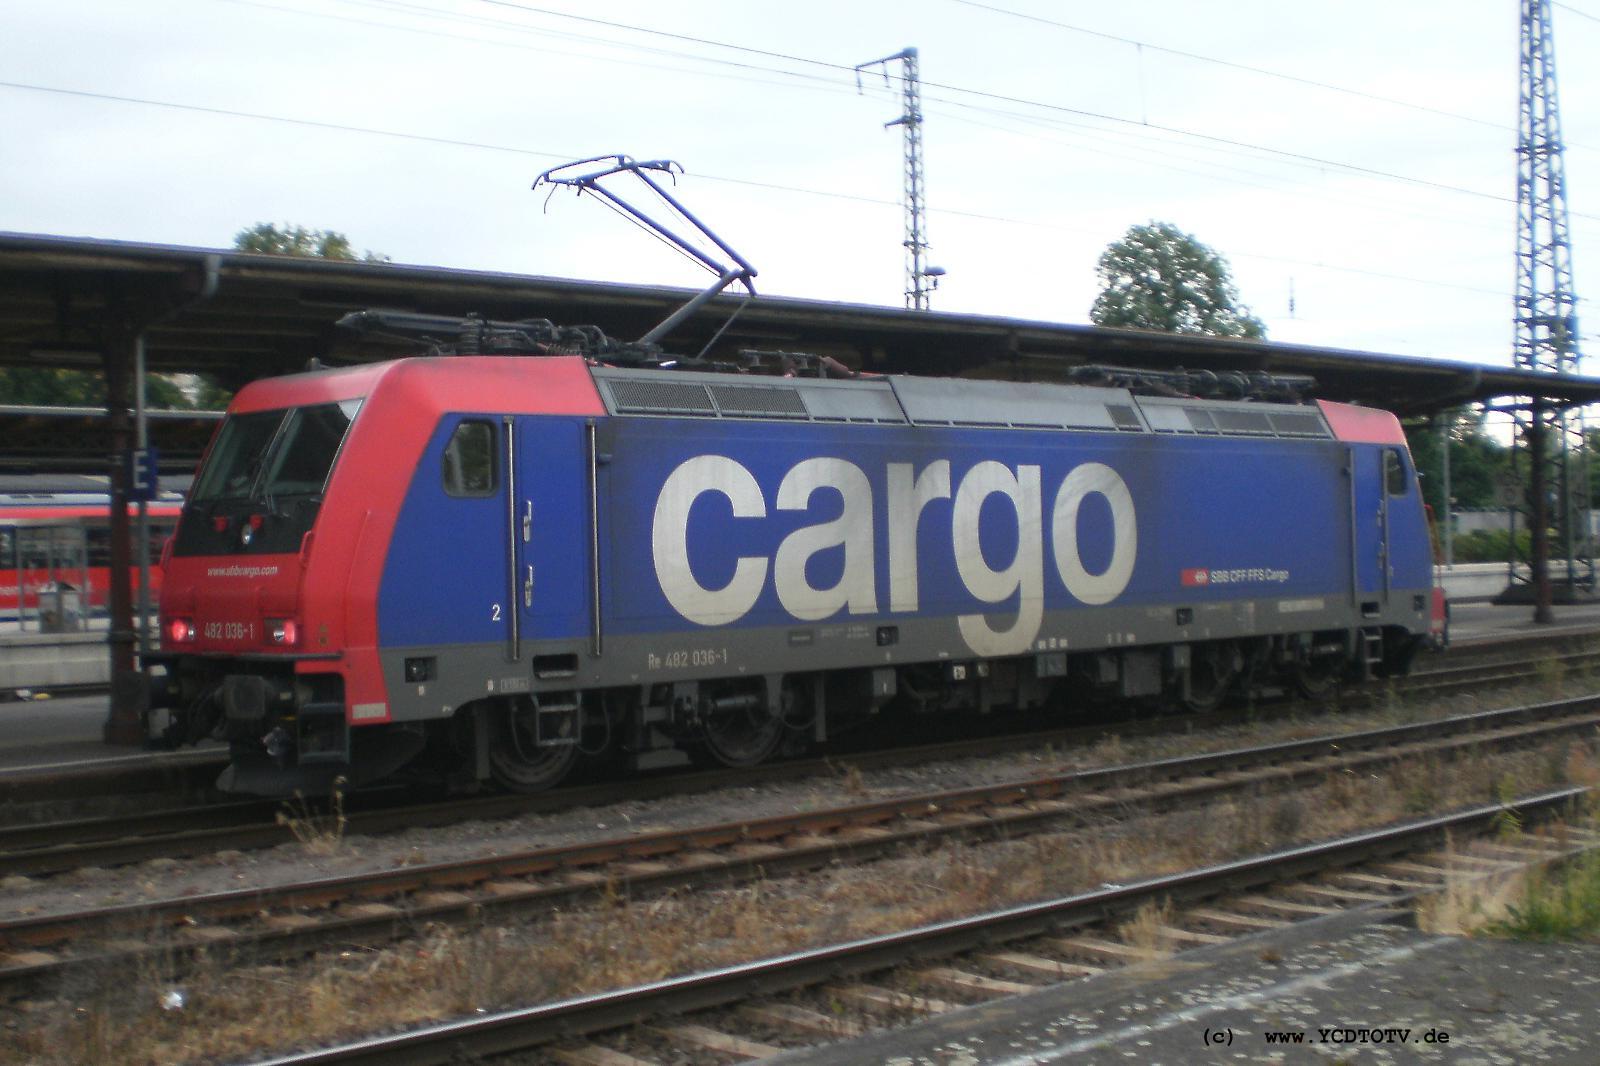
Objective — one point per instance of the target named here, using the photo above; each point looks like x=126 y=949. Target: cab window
x=1394 y=473
x=469 y=460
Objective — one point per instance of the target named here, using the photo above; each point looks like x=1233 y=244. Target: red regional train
x=55 y=554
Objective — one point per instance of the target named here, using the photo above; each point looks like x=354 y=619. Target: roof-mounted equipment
x=1198 y=384
x=475 y=335
x=589 y=181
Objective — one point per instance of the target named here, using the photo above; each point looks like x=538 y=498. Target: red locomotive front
x=261 y=646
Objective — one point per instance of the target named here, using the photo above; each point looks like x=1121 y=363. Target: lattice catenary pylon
x=1546 y=321
x=921 y=279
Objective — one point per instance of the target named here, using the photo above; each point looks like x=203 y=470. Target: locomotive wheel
x=739 y=738
x=516 y=761
x=1317 y=678
x=1211 y=672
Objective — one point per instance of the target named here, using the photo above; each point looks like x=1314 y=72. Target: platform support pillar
x=1539 y=513
x=126 y=723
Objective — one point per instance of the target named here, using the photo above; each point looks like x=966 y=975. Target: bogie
x=532 y=745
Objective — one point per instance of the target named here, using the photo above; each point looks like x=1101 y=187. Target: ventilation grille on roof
x=660 y=397
x=681 y=393
x=1015 y=405
x=754 y=401
x=1298 y=425
x=1242 y=422
x=1124 y=417
x=1233 y=419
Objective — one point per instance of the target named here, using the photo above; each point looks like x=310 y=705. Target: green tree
x=1476 y=460
x=265 y=238
x=49 y=387
x=52 y=387
x=1158 y=277
x=209 y=396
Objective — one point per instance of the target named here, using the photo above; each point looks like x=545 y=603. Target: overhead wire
x=1228 y=174
x=1575 y=11
x=1235 y=65
x=1222 y=144
x=1230 y=143
x=1043 y=105
x=1165 y=152
x=684 y=37
x=817 y=82
x=722 y=179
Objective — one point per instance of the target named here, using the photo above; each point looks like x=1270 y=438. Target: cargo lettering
x=909 y=492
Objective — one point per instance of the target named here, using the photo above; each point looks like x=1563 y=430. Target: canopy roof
x=64 y=301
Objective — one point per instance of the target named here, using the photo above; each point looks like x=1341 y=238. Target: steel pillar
x=1546 y=329
x=921 y=279
x=126 y=722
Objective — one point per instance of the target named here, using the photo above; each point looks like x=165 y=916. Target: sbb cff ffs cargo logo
x=909 y=491
x=1196 y=578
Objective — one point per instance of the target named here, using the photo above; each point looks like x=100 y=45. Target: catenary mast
x=921 y=279
x=1546 y=326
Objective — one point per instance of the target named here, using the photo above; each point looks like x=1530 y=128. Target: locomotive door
x=516 y=543
x=1373 y=470
x=549 y=518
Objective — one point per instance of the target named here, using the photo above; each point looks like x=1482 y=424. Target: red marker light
x=180 y=630
x=285 y=631
x=220 y=523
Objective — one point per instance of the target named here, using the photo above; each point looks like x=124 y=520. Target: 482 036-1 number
x=690 y=657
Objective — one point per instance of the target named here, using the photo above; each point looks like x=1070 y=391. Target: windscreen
x=262 y=485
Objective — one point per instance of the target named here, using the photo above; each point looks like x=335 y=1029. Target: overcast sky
x=1382 y=199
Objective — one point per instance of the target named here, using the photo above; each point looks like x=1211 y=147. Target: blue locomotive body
x=716 y=562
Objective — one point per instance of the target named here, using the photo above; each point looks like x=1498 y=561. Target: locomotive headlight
x=285 y=631
x=180 y=630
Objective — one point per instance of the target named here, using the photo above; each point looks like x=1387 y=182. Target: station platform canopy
x=68 y=301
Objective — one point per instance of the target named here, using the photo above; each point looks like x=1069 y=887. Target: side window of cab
x=1395 y=474
x=469 y=460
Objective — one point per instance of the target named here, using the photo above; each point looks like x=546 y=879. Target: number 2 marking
x=494 y=612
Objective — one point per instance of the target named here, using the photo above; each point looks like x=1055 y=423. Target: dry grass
x=1143 y=931
x=1580 y=767
x=235 y=1008
x=1469 y=901
x=321 y=833
x=1521 y=903
x=852 y=781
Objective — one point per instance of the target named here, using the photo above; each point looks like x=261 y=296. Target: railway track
x=290 y=920
x=52 y=847
x=189 y=774
x=45 y=848
x=762 y=1008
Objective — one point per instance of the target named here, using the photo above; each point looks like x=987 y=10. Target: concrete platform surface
x=1353 y=989
x=1479 y=621
x=65 y=734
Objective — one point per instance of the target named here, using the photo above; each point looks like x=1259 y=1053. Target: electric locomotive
x=507 y=561
x=537 y=545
